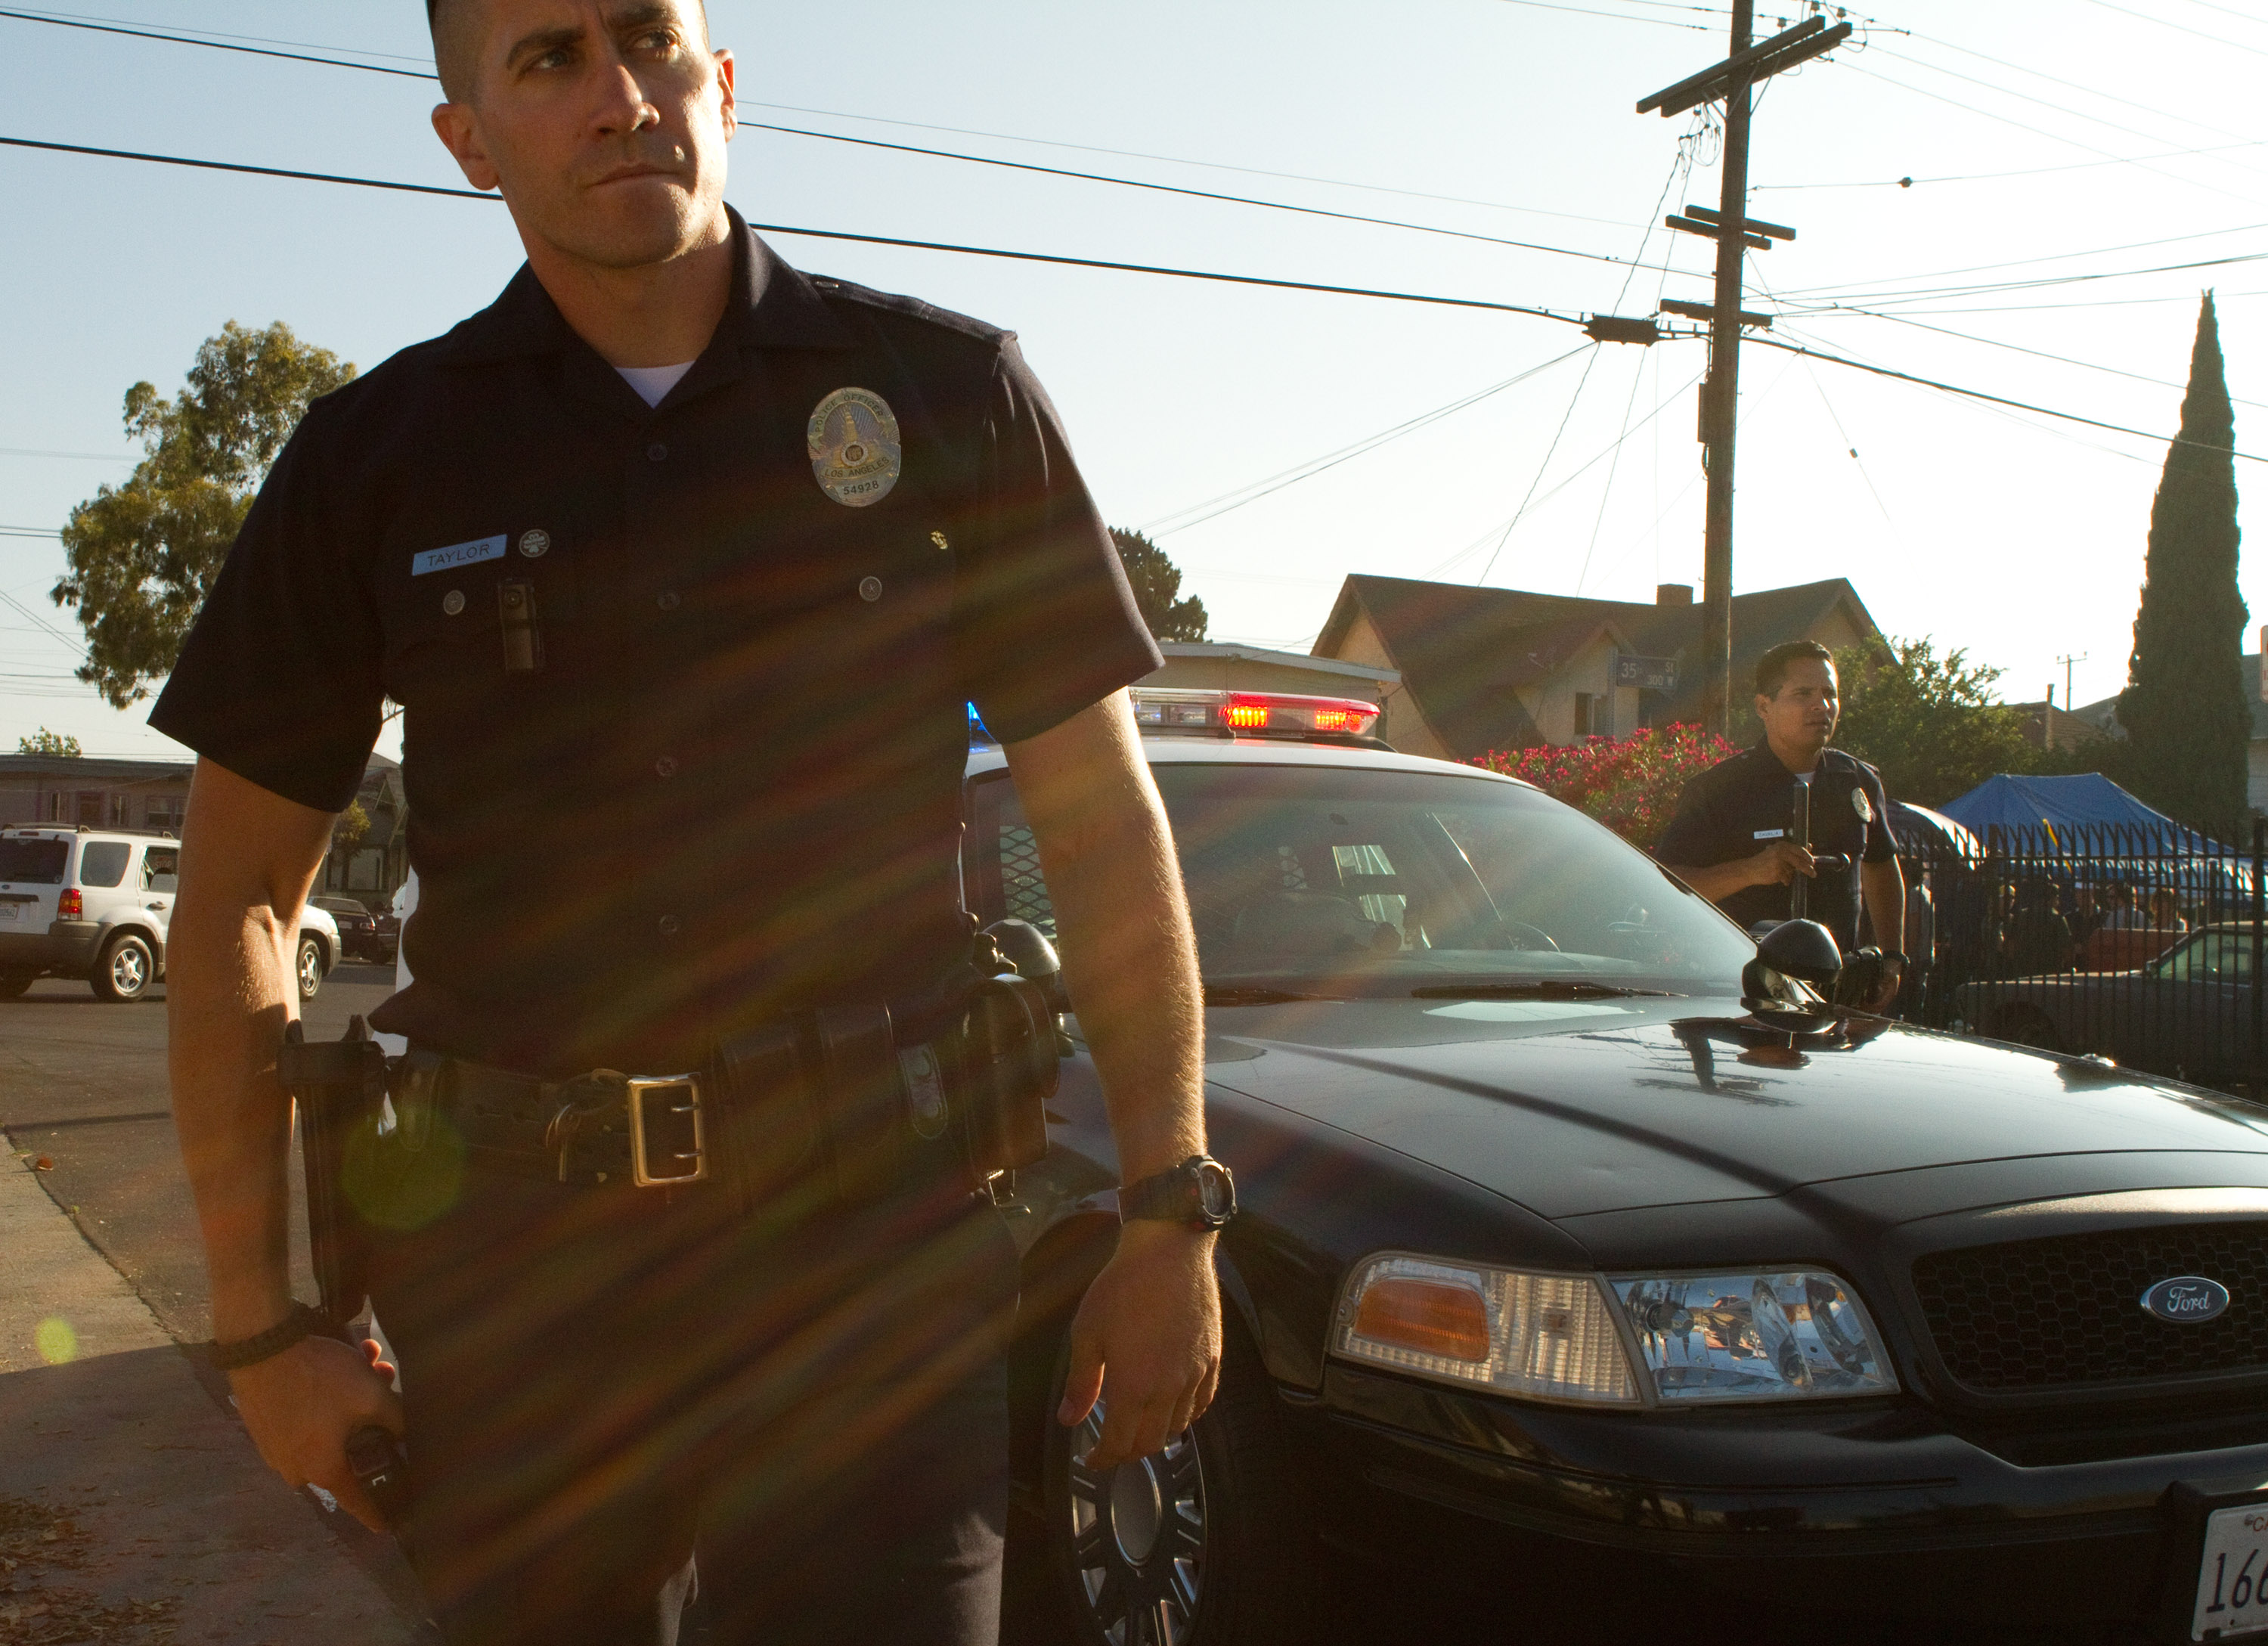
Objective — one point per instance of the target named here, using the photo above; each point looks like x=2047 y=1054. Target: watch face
x=1216 y=1191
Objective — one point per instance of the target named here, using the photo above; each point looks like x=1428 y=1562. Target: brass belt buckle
x=682 y=1094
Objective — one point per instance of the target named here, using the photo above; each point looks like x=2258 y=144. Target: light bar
x=1251 y=713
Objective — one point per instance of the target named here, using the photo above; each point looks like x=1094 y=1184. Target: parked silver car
x=96 y=902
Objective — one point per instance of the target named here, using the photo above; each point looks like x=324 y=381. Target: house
x=2103 y=713
x=1484 y=668
x=77 y=789
x=73 y=789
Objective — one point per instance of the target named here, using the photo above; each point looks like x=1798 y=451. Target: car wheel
x=309 y=967
x=12 y=984
x=125 y=971
x=2023 y=1026
x=1202 y=1545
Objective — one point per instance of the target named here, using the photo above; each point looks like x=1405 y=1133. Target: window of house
x=1587 y=717
x=164 y=811
x=121 y=808
x=90 y=810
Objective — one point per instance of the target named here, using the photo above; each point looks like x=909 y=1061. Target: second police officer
x=1751 y=829
x=684 y=565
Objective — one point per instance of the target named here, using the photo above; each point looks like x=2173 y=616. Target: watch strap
x=1175 y=1195
x=302 y=1323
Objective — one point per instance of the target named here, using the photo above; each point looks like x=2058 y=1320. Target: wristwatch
x=1200 y=1191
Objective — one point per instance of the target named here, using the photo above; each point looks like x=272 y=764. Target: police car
x=1583 y=1252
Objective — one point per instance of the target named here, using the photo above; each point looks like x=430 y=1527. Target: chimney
x=1673 y=593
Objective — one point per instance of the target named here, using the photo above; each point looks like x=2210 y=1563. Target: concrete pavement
x=133 y=1508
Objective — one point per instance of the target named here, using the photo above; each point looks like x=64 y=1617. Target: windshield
x=34 y=862
x=1320 y=879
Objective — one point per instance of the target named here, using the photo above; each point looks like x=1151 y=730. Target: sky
x=2064 y=158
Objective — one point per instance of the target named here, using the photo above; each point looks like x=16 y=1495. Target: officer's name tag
x=456 y=555
x=1769 y=834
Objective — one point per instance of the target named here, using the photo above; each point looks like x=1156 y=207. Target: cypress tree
x=2184 y=711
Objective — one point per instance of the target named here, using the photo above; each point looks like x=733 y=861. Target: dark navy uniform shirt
x=732 y=784
x=1740 y=806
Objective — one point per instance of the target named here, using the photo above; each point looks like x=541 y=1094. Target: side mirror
x=1026 y=948
x=1793 y=951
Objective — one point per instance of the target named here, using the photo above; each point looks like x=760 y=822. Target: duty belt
x=605 y=1127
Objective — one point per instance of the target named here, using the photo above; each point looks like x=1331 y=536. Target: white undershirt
x=654 y=383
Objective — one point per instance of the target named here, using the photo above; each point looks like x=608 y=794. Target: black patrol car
x=1573 y=1259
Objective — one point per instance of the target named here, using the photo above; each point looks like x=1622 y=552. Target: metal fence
x=2137 y=946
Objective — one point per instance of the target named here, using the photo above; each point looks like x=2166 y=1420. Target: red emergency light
x=1252 y=714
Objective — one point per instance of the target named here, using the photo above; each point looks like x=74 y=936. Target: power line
x=197 y=34
x=839 y=234
x=2038 y=74
x=27 y=531
x=2052 y=257
x=26 y=611
x=2030 y=171
x=102 y=26
x=1199 y=513
x=1997 y=399
x=1193 y=193
x=1618 y=16
x=2038 y=131
x=2221 y=40
x=216 y=45
x=97 y=457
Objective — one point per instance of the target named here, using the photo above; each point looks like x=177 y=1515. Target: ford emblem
x=2186 y=1299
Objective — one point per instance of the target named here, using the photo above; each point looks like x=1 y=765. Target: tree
x=2184 y=711
x=1930 y=724
x=143 y=556
x=350 y=827
x=44 y=741
x=1157 y=580
x=1630 y=784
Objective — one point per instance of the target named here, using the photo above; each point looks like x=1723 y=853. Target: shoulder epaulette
x=911 y=307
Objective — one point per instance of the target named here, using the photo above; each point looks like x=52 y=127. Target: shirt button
x=666 y=600
x=669 y=926
x=665 y=767
x=657 y=453
x=870 y=589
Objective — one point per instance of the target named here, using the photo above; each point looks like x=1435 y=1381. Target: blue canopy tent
x=2097 y=831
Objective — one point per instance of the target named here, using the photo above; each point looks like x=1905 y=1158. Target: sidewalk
x=133 y=1509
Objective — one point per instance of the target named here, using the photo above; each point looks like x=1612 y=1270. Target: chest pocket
x=470 y=628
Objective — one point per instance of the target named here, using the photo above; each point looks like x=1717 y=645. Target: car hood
x=1572 y=1109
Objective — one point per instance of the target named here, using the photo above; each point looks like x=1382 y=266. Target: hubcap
x=311 y=970
x=126 y=969
x=1139 y=1539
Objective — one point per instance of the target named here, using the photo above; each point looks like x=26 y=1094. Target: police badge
x=855 y=454
x=1861 y=805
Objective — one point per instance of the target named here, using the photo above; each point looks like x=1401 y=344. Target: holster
x=1007 y=1072
x=338 y=1087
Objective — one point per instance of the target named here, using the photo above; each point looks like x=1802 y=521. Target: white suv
x=95 y=903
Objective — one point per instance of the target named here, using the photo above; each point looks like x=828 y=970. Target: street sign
x=1648 y=674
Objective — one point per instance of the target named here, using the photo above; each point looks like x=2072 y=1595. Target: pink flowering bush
x=1630 y=784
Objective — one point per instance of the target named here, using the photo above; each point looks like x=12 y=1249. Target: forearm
x=1718 y=880
x=1883 y=885
x=1129 y=962
x=229 y=993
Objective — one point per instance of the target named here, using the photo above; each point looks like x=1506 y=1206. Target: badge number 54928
x=2232 y=1594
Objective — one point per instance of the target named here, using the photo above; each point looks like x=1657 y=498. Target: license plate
x=8 y=910
x=2232 y=1592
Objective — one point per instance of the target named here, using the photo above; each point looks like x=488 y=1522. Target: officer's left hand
x=1147 y=1336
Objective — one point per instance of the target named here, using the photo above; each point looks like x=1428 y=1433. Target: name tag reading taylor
x=456 y=555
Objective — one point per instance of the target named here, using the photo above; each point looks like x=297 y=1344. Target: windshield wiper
x=1534 y=989
x=1254 y=994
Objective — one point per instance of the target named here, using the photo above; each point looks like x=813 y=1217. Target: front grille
x=2066 y=1311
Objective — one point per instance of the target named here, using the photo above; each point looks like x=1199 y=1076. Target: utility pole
x=2067 y=663
x=1733 y=230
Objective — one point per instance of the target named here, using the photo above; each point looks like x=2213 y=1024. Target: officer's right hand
x=300 y=1407
x=1780 y=862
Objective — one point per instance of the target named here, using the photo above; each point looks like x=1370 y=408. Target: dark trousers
x=601 y=1384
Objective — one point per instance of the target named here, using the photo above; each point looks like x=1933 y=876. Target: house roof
x=1464 y=651
x=85 y=768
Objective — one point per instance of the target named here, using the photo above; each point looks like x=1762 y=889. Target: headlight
x=1544 y=1336
x=1708 y=1337
x=1753 y=1337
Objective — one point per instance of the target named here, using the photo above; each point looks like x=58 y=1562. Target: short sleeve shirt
x=686 y=687
x=1740 y=806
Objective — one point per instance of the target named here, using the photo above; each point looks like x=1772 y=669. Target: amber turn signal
x=1427 y=1316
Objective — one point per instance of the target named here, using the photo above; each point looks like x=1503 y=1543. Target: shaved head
x=456 y=27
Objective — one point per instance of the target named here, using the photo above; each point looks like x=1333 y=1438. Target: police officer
x=1735 y=836
x=684 y=564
